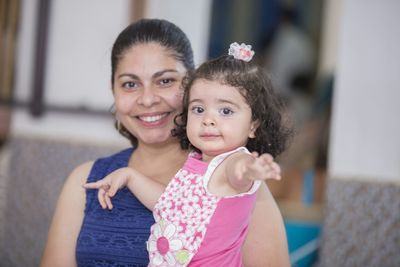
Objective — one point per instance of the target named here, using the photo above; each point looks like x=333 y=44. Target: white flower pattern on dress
x=186 y=208
x=162 y=243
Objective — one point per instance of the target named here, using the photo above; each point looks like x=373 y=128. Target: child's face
x=219 y=118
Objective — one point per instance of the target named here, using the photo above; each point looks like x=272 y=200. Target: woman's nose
x=148 y=97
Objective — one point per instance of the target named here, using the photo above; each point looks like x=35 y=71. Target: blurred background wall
x=362 y=222
x=336 y=66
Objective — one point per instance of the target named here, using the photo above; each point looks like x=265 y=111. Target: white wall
x=80 y=41
x=329 y=36
x=365 y=136
x=81 y=35
x=193 y=17
x=78 y=69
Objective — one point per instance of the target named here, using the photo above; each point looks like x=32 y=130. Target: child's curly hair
x=272 y=134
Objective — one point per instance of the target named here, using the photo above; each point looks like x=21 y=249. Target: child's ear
x=253 y=128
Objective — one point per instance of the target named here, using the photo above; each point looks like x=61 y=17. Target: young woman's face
x=147 y=92
x=219 y=118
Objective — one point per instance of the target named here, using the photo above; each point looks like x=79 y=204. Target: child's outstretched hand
x=109 y=185
x=263 y=167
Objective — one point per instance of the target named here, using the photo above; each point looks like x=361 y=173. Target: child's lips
x=209 y=136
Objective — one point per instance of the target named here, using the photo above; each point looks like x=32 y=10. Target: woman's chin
x=158 y=139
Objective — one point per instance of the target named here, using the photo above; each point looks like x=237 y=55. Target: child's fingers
x=96 y=185
x=91 y=185
x=254 y=154
x=266 y=170
x=276 y=177
x=266 y=158
x=113 y=189
x=275 y=166
x=108 y=201
x=100 y=196
x=270 y=174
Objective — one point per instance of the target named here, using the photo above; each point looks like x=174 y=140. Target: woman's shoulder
x=93 y=167
x=80 y=173
x=120 y=156
x=105 y=165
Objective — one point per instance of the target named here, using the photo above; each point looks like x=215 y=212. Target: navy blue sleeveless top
x=114 y=237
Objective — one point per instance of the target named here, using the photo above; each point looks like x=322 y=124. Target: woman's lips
x=153 y=119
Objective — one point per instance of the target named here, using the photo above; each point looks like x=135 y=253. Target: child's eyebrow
x=195 y=100
x=225 y=101
x=218 y=100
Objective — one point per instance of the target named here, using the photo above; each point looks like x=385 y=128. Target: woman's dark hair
x=249 y=78
x=144 y=31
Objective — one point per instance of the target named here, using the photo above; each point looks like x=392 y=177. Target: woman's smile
x=154 y=119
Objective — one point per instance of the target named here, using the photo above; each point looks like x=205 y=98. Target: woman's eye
x=197 y=110
x=164 y=82
x=226 y=111
x=129 y=85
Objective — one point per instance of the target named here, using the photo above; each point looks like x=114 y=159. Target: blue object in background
x=303 y=240
x=308 y=187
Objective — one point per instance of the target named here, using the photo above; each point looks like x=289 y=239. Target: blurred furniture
x=31 y=176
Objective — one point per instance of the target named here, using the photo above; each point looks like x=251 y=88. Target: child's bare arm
x=145 y=189
x=243 y=169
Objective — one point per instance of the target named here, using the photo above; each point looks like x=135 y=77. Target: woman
x=149 y=59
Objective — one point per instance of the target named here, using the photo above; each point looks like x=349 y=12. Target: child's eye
x=226 y=111
x=197 y=110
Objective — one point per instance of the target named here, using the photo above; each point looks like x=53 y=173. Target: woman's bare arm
x=67 y=221
x=266 y=243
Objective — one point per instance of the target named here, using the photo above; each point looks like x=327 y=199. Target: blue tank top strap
x=102 y=167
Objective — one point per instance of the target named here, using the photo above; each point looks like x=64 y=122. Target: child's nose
x=208 y=121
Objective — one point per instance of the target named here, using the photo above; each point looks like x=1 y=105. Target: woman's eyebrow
x=160 y=73
x=130 y=75
x=155 y=75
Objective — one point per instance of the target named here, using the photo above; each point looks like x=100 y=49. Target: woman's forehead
x=149 y=58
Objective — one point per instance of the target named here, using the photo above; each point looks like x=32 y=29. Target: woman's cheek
x=123 y=105
x=179 y=99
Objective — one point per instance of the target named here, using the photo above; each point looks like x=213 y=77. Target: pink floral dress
x=196 y=228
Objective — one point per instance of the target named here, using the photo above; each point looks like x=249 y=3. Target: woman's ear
x=253 y=128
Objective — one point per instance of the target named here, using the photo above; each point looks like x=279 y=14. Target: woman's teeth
x=152 y=118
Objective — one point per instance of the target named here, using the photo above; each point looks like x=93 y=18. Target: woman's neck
x=158 y=162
